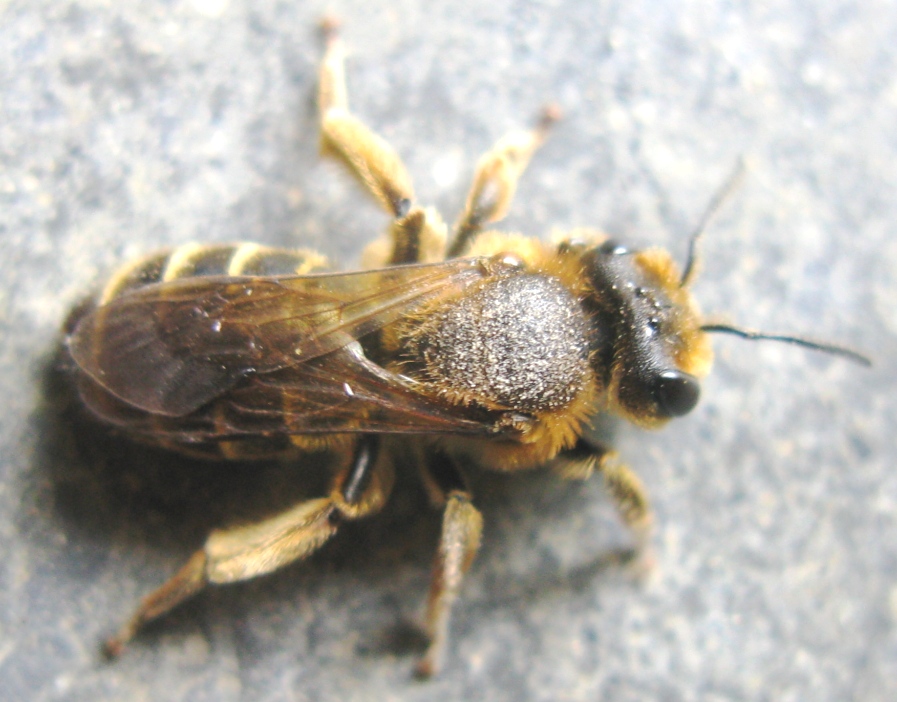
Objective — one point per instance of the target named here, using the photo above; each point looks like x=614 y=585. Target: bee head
x=649 y=347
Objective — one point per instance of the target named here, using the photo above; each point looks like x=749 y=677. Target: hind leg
x=245 y=552
x=417 y=234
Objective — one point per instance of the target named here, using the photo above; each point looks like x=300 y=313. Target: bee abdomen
x=197 y=260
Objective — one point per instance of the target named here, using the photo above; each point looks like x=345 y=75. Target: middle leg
x=462 y=526
x=495 y=180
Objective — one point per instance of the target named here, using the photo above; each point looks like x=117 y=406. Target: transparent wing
x=340 y=392
x=170 y=348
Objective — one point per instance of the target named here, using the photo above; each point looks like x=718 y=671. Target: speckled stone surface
x=129 y=126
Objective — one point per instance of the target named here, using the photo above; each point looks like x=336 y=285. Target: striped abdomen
x=184 y=262
x=198 y=260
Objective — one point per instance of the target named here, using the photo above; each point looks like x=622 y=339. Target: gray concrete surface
x=129 y=126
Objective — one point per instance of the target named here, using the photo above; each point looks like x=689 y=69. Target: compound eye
x=676 y=393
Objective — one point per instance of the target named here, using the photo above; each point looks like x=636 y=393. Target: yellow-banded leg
x=462 y=526
x=417 y=234
x=231 y=555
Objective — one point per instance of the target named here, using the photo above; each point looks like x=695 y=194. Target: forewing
x=340 y=392
x=171 y=347
x=345 y=391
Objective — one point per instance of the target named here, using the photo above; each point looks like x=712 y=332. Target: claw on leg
x=189 y=580
x=631 y=499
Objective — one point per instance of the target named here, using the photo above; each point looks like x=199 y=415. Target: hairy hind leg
x=417 y=234
x=244 y=552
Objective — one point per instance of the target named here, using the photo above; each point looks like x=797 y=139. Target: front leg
x=245 y=552
x=624 y=487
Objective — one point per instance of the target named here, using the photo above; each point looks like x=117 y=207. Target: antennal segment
x=719 y=197
x=849 y=354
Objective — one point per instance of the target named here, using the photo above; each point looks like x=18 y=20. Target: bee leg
x=628 y=493
x=462 y=525
x=247 y=551
x=625 y=489
x=495 y=180
x=369 y=158
x=417 y=234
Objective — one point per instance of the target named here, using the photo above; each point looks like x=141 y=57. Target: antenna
x=719 y=197
x=849 y=354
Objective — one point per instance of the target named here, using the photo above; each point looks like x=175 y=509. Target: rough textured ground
x=129 y=126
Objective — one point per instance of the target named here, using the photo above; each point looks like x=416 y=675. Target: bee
x=476 y=349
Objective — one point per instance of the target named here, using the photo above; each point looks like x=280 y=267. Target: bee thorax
x=519 y=341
